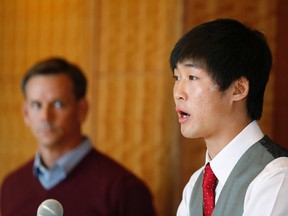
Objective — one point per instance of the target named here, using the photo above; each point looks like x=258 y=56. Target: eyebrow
x=191 y=65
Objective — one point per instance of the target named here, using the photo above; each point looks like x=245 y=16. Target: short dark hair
x=228 y=50
x=58 y=66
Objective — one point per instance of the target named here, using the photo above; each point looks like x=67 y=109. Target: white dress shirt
x=267 y=194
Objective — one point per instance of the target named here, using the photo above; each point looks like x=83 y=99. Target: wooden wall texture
x=280 y=127
x=123 y=46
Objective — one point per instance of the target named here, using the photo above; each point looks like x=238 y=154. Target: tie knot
x=209 y=180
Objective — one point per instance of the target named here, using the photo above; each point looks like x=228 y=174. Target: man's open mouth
x=183 y=114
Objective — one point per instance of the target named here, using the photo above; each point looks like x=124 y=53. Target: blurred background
x=124 y=46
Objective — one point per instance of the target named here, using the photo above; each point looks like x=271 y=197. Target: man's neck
x=216 y=144
x=50 y=154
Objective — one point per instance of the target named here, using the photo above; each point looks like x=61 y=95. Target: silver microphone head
x=50 y=207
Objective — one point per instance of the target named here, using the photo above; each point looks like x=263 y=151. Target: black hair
x=228 y=50
x=58 y=66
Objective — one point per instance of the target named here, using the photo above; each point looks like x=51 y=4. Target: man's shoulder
x=23 y=168
x=18 y=174
x=102 y=170
x=280 y=163
x=105 y=165
x=273 y=148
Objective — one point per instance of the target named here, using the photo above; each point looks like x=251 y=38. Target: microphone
x=50 y=207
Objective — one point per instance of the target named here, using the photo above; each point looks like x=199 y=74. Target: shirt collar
x=227 y=158
x=63 y=166
x=69 y=160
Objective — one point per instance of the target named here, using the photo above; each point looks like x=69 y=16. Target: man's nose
x=179 y=91
x=46 y=113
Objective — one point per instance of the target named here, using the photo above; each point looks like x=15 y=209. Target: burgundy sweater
x=97 y=186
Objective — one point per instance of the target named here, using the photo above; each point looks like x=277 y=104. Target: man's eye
x=58 y=104
x=191 y=77
x=36 y=105
x=176 y=78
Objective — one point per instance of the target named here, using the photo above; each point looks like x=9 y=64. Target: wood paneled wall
x=280 y=128
x=134 y=119
x=123 y=46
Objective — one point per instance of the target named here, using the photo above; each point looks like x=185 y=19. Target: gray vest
x=231 y=199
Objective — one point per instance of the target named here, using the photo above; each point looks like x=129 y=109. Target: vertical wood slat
x=134 y=45
x=281 y=76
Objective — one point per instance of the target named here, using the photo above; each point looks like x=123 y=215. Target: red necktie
x=209 y=184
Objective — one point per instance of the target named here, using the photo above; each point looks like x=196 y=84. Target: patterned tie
x=209 y=184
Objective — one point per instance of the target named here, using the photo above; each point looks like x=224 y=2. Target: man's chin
x=188 y=133
x=47 y=142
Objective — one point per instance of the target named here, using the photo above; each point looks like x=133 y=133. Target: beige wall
x=123 y=46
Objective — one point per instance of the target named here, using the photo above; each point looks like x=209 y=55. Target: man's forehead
x=188 y=62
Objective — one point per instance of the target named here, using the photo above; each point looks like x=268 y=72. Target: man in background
x=221 y=69
x=66 y=167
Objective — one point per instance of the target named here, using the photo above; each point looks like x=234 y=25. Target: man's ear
x=83 y=108
x=240 y=89
x=25 y=113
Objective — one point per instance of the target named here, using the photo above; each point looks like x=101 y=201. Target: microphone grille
x=50 y=207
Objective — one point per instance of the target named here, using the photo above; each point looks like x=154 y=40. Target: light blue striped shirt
x=64 y=165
